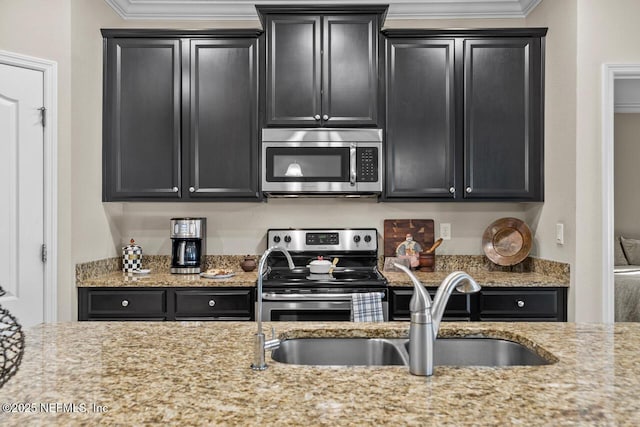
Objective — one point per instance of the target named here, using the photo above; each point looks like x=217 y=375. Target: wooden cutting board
x=396 y=230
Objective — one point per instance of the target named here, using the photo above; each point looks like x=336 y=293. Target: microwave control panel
x=367 y=164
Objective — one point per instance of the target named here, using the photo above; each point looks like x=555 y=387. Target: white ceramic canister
x=131 y=257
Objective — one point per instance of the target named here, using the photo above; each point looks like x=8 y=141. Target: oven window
x=310 y=315
x=301 y=164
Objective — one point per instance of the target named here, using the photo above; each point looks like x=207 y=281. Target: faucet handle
x=273 y=332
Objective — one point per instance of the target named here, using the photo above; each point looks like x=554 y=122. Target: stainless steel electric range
x=298 y=295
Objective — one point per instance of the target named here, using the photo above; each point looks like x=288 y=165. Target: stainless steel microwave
x=322 y=162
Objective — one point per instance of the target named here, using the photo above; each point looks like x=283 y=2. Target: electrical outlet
x=445 y=231
x=560 y=234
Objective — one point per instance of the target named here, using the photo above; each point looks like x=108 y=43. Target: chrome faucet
x=426 y=317
x=261 y=345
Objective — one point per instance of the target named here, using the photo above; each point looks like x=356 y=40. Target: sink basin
x=388 y=352
x=342 y=351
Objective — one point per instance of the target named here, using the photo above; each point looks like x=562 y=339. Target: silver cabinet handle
x=469 y=189
x=520 y=303
x=325 y=117
x=212 y=303
x=175 y=189
x=124 y=303
x=452 y=190
x=352 y=163
x=192 y=190
x=317 y=117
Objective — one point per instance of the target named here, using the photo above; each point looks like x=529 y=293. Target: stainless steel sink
x=385 y=352
x=342 y=351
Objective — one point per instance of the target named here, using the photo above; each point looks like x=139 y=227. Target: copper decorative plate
x=507 y=241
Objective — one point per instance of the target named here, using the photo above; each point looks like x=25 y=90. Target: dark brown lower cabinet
x=492 y=304
x=166 y=303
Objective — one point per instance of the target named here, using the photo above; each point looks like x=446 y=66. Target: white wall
x=41 y=28
x=627 y=175
x=606 y=34
x=560 y=136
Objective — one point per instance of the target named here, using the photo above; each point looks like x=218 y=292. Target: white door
x=22 y=193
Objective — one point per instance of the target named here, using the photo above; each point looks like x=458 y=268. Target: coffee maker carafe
x=188 y=247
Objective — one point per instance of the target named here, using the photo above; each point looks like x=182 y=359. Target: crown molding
x=627 y=95
x=245 y=10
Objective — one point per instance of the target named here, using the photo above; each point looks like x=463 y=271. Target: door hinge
x=43 y=111
x=44 y=252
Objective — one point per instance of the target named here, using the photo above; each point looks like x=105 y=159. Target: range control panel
x=346 y=239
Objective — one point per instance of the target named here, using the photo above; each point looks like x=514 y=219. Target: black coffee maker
x=188 y=247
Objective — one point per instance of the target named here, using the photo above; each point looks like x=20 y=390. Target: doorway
x=28 y=171
x=611 y=74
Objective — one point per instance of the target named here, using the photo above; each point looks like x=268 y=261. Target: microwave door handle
x=352 y=163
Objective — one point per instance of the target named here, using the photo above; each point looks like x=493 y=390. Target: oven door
x=310 y=307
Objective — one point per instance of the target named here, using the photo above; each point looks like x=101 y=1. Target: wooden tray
x=395 y=231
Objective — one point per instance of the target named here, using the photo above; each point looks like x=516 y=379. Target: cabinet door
x=420 y=119
x=503 y=129
x=141 y=127
x=458 y=307
x=122 y=304
x=223 y=123
x=350 y=70
x=293 y=72
x=541 y=304
x=220 y=304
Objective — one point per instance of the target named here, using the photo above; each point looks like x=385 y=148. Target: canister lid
x=132 y=246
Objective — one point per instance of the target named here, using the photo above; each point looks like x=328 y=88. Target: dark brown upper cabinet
x=322 y=66
x=180 y=117
x=464 y=114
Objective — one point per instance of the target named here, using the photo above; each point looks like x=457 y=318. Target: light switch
x=445 y=231
x=560 y=234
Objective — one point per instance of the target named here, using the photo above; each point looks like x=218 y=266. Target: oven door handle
x=273 y=296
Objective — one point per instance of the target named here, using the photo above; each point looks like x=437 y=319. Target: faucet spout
x=260 y=344
x=458 y=280
x=426 y=316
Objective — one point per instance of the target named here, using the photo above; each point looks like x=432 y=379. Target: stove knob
x=287 y=239
x=367 y=238
x=276 y=239
x=356 y=238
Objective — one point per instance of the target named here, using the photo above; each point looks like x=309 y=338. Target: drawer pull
x=212 y=303
x=124 y=303
x=520 y=303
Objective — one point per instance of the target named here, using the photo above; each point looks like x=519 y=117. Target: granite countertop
x=242 y=279
x=484 y=278
x=166 y=279
x=197 y=373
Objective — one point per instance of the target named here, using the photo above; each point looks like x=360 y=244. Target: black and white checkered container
x=131 y=257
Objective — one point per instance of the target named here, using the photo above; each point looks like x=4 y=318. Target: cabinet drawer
x=518 y=303
x=218 y=304
x=127 y=303
x=458 y=307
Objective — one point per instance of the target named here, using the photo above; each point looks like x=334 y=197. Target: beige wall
x=606 y=34
x=90 y=229
x=560 y=135
x=627 y=175
x=41 y=28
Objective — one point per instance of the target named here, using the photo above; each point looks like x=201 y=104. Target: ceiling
x=245 y=10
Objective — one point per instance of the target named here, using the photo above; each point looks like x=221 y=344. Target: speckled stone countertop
x=166 y=279
x=484 y=278
x=197 y=373
x=242 y=279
